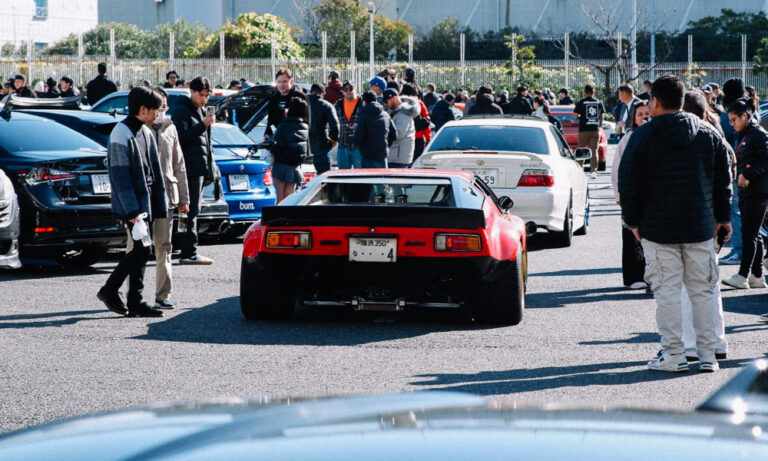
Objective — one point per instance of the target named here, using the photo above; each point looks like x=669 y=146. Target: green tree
x=760 y=60
x=339 y=17
x=250 y=36
x=718 y=38
x=441 y=41
x=130 y=42
x=185 y=35
x=522 y=62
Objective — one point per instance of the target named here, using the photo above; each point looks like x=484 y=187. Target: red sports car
x=387 y=240
x=571 y=132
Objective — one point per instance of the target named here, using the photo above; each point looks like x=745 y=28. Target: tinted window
x=384 y=194
x=565 y=117
x=491 y=138
x=42 y=135
x=228 y=135
x=119 y=104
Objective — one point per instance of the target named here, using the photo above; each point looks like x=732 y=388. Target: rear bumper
x=543 y=206
x=334 y=279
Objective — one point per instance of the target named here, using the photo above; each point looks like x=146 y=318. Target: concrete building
x=543 y=16
x=45 y=21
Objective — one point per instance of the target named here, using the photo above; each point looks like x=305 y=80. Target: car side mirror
x=583 y=153
x=506 y=203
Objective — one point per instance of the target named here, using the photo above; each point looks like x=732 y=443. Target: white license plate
x=239 y=182
x=101 y=184
x=367 y=249
x=490 y=176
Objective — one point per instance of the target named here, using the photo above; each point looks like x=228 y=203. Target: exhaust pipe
x=224 y=226
x=530 y=228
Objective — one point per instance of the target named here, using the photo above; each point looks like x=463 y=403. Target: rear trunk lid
x=498 y=169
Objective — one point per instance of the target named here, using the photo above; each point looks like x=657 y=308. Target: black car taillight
x=37 y=176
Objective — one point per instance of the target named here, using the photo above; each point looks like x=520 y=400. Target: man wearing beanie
x=378 y=85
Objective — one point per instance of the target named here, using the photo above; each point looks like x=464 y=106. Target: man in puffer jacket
x=374 y=133
x=484 y=102
x=402 y=109
x=675 y=193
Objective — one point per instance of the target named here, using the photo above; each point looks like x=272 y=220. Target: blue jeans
x=348 y=157
x=322 y=161
x=374 y=163
x=735 y=221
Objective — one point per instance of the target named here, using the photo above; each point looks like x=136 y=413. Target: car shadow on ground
x=52 y=270
x=596 y=271
x=591 y=295
x=546 y=378
x=222 y=323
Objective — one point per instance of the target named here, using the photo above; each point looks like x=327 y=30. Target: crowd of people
x=690 y=174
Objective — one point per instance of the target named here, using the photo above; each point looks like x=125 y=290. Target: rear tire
x=263 y=297
x=501 y=302
x=564 y=238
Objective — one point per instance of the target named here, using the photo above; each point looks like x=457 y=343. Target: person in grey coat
x=402 y=109
x=323 y=128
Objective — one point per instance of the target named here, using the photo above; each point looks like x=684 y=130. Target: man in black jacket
x=374 y=133
x=484 y=102
x=20 y=85
x=278 y=101
x=193 y=126
x=675 y=192
x=99 y=86
x=520 y=104
x=442 y=113
x=324 y=129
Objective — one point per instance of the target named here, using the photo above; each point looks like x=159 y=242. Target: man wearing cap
x=67 y=88
x=333 y=90
x=410 y=77
x=21 y=88
x=323 y=128
x=707 y=90
x=378 y=85
x=348 y=110
x=402 y=109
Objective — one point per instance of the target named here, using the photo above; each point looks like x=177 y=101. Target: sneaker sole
x=158 y=306
x=725 y=282
x=680 y=369
x=113 y=309
x=708 y=367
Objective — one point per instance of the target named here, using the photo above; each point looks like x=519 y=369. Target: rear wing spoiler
x=18 y=102
x=373 y=216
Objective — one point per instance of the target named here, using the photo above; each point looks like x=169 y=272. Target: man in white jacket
x=402 y=109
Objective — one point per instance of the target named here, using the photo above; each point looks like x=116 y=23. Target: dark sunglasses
x=347 y=88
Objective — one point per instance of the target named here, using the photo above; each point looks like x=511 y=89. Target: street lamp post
x=371 y=10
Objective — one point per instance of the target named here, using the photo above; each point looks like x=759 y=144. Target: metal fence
x=445 y=74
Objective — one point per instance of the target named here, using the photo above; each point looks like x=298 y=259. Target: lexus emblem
x=242 y=168
x=480 y=163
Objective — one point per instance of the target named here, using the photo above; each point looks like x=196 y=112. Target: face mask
x=159 y=117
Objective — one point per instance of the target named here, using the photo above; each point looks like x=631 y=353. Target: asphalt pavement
x=584 y=340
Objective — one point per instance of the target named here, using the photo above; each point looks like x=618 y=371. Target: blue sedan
x=246 y=178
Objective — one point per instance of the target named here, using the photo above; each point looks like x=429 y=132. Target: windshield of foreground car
x=25 y=136
x=383 y=194
x=491 y=138
x=228 y=135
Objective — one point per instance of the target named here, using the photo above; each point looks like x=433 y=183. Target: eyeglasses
x=347 y=88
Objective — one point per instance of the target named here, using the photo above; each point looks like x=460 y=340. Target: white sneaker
x=756 y=282
x=708 y=365
x=198 y=260
x=668 y=362
x=593 y=175
x=638 y=286
x=737 y=281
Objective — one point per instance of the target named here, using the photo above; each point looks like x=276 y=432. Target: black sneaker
x=721 y=355
x=144 y=310
x=164 y=304
x=112 y=301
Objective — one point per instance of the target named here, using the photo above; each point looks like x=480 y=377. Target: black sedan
x=60 y=177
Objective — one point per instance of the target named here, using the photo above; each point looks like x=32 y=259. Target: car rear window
x=491 y=138
x=564 y=117
x=25 y=136
x=384 y=193
x=229 y=135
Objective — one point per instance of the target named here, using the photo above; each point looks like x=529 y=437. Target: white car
x=524 y=158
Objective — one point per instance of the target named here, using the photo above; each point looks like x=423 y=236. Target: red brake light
x=289 y=239
x=457 y=242
x=40 y=230
x=268 y=177
x=536 y=178
x=47 y=175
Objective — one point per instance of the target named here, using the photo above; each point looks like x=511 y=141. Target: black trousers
x=188 y=240
x=752 y=209
x=131 y=266
x=632 y=258
x=419 y=148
